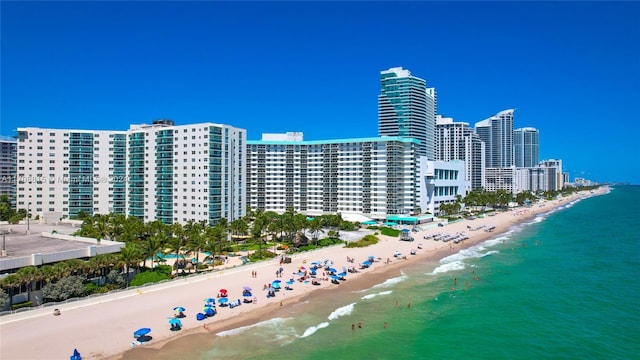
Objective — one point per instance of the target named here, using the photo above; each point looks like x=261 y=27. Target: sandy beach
x=102 y=327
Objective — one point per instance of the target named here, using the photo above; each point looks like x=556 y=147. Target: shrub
x=21 y=305
x=390 y=232
x=65 y=288
x=149 y=277
x=365 y=241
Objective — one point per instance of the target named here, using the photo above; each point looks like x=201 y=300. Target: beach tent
x=75 y=355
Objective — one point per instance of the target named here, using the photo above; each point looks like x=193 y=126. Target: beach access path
x=102 y=327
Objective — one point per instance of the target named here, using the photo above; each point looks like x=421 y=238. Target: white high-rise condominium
x=407 y=108
x=373 y=177
x=457 y=141
x=497 y=134
x=154 y=172
x=526 y=146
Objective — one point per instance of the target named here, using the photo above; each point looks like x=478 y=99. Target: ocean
x=562 y=286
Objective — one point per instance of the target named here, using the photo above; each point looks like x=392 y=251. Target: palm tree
x=315 y=226
x=196 y=240
x=257 y=230
x=239 y=228
x=10 y=283
x=130 y=254
x=27 y=275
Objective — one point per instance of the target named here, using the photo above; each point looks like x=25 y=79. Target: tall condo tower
x=457 y=141
x=497 y=134
x=526 y=146
x=407 y=108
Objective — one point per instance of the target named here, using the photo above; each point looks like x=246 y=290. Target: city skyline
x=227 y=63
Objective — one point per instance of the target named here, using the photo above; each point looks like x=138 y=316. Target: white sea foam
x=451 y=266
x=391 y=282
x=342 y=311
x=371 y=296
x=491 y=253
x=275 y=322
x=311 y=330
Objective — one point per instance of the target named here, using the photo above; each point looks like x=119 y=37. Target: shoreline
x=108 y=334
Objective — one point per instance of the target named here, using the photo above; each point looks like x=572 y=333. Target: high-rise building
x=526 y=145
x=8 y=168
x=154 y=172
x=497 y=134
x=559 y=177
x=457 y=141
x=373 y=177
x=407 y=108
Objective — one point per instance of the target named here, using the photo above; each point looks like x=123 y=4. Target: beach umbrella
x=276 y=285
x=332 y=270
x=223 y=301
x=175 y=321
x=141 y=332
x=246 y=288
x=342 y=274
x=315 y=263
x=210 y=300
x=224 y=291
x=179 y=309
x=290 y=282
x=334 y=277
x=210 y=311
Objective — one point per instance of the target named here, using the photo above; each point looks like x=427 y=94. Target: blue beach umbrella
x=175 y=321
x=209 y=311
x=332 y=270
x=141 y=332
x=290 y=282
x=210 y=301
x=179 y=309
x=223 y=300
x=276 y=285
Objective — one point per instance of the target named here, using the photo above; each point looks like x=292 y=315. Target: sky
x=570 y=69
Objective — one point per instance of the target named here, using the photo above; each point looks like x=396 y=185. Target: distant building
x=497 y=134
x=407 y=108
x=535 y=179
x=526 y=147
x=8 y=168
x=373 y=177
x=502 y=178
x=154 y=172
x=559 y=176
x=458 y=141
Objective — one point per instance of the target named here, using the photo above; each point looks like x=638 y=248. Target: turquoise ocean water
x=564 y=286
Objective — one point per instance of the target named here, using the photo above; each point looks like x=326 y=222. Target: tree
x=4 y=298
x=130 y=254
x=315 y=226
x=65 y=288
x=6 y=210
x=257 y=231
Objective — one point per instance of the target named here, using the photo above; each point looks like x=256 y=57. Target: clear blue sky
x=570 y=69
